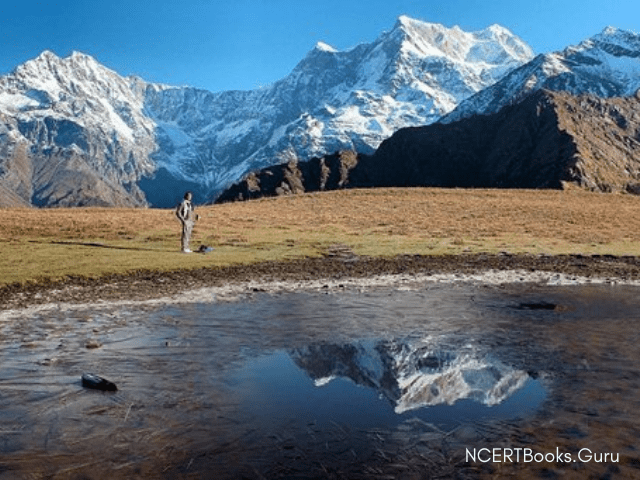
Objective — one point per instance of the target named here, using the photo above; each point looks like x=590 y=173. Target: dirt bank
x=143 y=285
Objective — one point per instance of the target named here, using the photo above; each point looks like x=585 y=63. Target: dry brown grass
x=38 y=244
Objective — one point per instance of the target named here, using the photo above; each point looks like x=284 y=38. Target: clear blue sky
x=242 y=44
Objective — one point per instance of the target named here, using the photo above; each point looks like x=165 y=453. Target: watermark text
x=528 y=455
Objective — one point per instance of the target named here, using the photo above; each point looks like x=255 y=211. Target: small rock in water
x=538 y=306
x=93 y=344
x=46 y=362
x=89 y=380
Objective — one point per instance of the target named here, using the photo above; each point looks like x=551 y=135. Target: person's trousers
x=187 y=228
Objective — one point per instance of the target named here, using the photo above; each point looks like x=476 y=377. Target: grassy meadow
x=48 y=244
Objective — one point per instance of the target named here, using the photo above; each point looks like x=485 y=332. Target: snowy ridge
x=486 y=381
x=77 y=88
x=125 y=132
x=606 y=65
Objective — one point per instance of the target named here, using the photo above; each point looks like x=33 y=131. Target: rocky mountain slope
x=73 y=132
x=548 y=140
x=606 y=65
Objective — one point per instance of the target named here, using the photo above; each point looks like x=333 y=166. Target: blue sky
x=243 y=44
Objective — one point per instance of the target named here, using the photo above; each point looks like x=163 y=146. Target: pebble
x=91 y=344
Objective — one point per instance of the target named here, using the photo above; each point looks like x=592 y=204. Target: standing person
x=187 y=218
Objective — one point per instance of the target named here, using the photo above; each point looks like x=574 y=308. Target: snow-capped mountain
x=331 y=101
x=414 y=373
x=606 y=65
x=73 y=132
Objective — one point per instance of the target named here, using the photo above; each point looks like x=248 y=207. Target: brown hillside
x=607 y=137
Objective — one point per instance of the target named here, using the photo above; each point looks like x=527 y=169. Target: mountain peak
x=46 y=55
x=493 y=31
x=81 y=57
x=610 y=30
x=48 y=60
x=324 y=47
x=618 y=37
x=409 y=24
x=615 y=32
x=39 y=66
x=410 y=27
x=456 y=42
x=405 y=21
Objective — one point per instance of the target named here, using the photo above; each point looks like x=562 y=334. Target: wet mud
x=334 y=266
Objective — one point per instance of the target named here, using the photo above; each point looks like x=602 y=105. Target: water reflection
x=370 y=384
x=373 y=384
x=414 y=373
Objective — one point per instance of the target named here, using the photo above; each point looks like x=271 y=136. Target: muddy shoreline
x=331 y=269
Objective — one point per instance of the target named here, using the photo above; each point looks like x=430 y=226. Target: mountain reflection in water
x=413 y=374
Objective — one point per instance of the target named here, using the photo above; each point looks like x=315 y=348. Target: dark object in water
x=538 y=306
x=89 y=380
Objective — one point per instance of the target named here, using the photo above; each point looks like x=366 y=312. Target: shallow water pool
x=352 y=384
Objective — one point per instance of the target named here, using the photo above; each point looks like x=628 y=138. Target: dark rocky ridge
x=548 y=140
x=327 y=173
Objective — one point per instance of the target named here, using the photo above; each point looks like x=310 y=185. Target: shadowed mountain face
x=520 y=147
x=546 y=141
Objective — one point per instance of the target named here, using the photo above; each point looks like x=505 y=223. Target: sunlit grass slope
x=48 y=244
